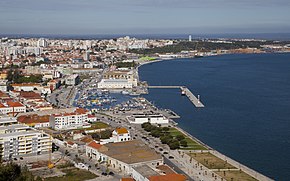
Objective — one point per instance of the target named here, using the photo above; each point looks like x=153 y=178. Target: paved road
x=96 y=169
x=175 y=167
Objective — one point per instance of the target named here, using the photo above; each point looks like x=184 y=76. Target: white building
x=72 y=79
x=115 y=84
x=86 y=56
x=151 y=118
x=118 y=135
x=17 y=140
x=77 y=119
x=26 y=87
x=6 y=120
x=3 y=85
x=42 y=43
x=12 y=108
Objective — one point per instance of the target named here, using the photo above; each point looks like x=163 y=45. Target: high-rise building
x=189 y=38
x=42 y=42
x=86 y=56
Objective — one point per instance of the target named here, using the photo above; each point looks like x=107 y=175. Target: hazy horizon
x=140 y=16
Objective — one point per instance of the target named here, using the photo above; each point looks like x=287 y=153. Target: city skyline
x=139 y=17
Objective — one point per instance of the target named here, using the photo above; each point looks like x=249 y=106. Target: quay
x=195 y=101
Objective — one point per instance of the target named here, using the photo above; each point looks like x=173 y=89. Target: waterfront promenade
x=195 y=101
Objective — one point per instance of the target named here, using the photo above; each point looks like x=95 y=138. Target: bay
x=247 y=105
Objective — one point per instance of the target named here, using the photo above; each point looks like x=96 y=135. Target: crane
x=50 y=165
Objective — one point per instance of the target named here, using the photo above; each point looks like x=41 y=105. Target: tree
x=144 y=125
x=180 y=137
x=173 y=145
x=156 y=133
x=95 y=136
x=12 y=171
x=166 y=139
x=165 y=129
x=106 y=134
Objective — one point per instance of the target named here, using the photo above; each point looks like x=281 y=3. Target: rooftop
x=6 y=119
x=20 y=133
x=14 y=126
x=146 y=171
x=25 y=84
x=130 y=152
x=28 y=119
x=168 y=177
x=121 y=130
x=94 y=145
x=49 y=112
x=30 y=95
x=14 y=104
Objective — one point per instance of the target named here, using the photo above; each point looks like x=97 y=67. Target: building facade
x=77 y=119
x=17 y=140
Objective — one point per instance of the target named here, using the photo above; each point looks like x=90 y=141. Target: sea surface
x=247 y=105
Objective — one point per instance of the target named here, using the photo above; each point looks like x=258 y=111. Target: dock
x=195 y=100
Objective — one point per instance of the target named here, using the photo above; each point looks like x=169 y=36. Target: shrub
x=183 y=143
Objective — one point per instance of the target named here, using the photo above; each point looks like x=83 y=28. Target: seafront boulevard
x=195 y=163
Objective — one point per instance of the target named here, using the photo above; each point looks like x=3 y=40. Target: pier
x=195 y=101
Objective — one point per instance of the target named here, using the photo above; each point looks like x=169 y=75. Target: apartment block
x=17 y=140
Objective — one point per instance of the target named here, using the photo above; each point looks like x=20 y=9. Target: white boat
x=125 y=92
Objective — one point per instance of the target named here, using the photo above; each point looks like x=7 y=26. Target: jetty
x=195 y=100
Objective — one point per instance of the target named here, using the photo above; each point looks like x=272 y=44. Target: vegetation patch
x=147 y=58
x=235 y=175
x=210 y=161
x=73 y=174
x=172 y=137
x=191 y=144
x=125 y=64
x=106 y=134
x=99 y=125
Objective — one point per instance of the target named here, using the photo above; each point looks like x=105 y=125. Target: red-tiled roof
x=30 y=95
x=86 y=139
x=94 y=145
x=70 y=143
x=78 y=111
x=91 y=116
x=25 y=84
x=127 y=179
x=14 y=104
x=28 y=119
x=3 y=95
x=81 y=111
x=121 y=130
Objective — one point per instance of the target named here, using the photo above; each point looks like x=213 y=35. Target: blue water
x=247 y=99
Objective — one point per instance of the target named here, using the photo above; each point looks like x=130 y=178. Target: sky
x=144 y=16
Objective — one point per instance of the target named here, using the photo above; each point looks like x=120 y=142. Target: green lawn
x=96 y=125
x=191 y=144
x=147 y=58
x=99 y=125
x=73 y=174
